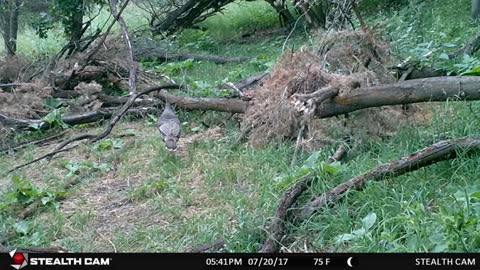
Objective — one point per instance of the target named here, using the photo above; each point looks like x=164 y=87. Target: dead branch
x=245 y=84
x=148 y=105
x=116 y=116
x=35 y=142
x=437 y=152
x=132 y=74
x=92 y=52
x=276 y=228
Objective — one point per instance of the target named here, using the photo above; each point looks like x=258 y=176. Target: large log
x=406 y=92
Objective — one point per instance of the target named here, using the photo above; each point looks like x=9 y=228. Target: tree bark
x=475 y=9
x=286 y=18
x=440 y=151
x=9 y=24
x=406 y=92
x=76 y=26
x=190 y=13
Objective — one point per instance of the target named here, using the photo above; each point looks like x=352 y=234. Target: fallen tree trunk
x=412 y=91
x=164 y=56
x=186 y=103
x=437 y=152
x=406 y=92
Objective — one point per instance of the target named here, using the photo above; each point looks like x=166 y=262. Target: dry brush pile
x=339 y=63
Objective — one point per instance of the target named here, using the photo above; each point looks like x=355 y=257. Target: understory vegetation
x=127 y=193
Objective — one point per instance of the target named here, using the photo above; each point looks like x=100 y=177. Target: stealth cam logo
x=19 y=259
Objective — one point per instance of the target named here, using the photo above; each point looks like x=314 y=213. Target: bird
x=169 y=127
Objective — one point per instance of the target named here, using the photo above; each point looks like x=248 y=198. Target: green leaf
x=360 y=232
x=311 y=160
x=102 y=167
x=449 y=44
x=444 y=56
x=331 y=168
x=22 y=227
x=440 y=248
x=46 y=200
x=369 y=220
x=118 y=143
x=345 y=238
x=438 y=238
x=105 y=144
x=51 y=117
x=36 y=126
x=16 y=179
x=196 y=129
x=53 y=103
x=475 y=195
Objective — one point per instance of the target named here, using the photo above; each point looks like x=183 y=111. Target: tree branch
x=437 y=152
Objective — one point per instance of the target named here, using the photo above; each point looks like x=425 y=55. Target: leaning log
x=437 y=152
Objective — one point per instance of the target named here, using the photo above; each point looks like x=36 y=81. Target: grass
x=138 y=197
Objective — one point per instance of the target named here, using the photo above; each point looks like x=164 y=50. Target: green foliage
x=311 y=165
x=170 y=68
x=374 y=6
x=63 y=11
x=240 y=17
x=195 y=40
x=109 y=144
x=459 y=223
x=53 y=118
x=75 y=167
x=367 y=223
x=468 y=66
x=149 y=188
x=24 y=192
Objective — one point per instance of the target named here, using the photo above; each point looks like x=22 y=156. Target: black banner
x=180 y=261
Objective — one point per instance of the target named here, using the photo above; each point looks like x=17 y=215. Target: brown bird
x=169 y=127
